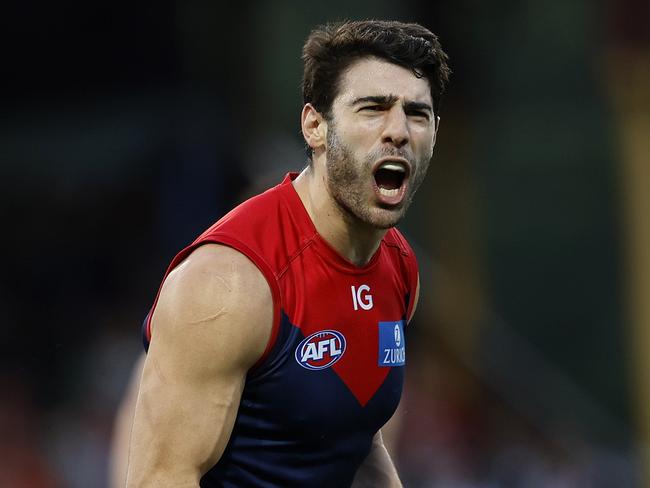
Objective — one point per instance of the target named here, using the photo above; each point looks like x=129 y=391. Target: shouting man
x=276 y=344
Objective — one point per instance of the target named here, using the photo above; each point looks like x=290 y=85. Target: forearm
x=377 y=470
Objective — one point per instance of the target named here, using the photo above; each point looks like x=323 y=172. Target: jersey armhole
x=259 y=262
x=412 y=274
x=413 y=283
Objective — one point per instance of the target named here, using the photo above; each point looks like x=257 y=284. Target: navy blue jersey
x=332 y=372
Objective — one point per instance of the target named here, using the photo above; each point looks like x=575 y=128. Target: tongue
x=388 y=180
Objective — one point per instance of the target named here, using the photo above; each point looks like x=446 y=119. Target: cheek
x=423 y=140
x=358 y=140
x=358 y=134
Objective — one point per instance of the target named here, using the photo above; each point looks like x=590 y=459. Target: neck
x=354 y=240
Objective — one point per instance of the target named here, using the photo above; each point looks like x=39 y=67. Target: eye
x=418 y=113
x=372 y=108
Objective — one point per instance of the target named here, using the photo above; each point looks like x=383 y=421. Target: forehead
x=376 y=77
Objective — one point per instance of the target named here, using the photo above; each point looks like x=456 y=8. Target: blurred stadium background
x=126 y=129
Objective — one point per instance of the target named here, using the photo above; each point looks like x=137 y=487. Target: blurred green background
x=126 y=129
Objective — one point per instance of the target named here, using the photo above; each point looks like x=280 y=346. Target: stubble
x=350 y=183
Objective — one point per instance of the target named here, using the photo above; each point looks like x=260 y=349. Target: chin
x=375 y=217
x=383 y=221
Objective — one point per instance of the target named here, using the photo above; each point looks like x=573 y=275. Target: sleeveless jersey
x=332 y=372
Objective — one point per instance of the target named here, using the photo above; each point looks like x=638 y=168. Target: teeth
x=393 y=167
x=389 y=193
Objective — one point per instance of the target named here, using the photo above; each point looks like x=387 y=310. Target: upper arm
x=416 y=299
x=211 y=323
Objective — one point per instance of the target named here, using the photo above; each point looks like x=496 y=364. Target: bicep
x=205 y=338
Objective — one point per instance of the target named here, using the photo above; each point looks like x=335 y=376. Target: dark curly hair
x=331 y=48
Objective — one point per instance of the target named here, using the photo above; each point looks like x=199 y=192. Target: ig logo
x=359 y=299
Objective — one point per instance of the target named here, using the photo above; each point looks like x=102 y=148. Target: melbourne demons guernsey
x=332 y=372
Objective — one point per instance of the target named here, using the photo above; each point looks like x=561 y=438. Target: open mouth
x=390 y=177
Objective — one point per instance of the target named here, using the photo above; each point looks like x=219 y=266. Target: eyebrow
x=390 y=100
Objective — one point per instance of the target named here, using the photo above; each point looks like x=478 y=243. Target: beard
x=350 y=183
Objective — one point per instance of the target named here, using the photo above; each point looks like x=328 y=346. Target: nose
x=396 y=130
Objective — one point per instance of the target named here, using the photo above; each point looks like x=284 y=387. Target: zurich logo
x=320 y=350
x=398 y=335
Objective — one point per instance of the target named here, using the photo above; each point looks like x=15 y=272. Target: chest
x=337 y=366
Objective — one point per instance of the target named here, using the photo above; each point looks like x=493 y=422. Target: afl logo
x=398 y=335
x=320 y=350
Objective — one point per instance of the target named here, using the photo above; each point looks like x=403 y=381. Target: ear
x=314 y=127
x=436 y=126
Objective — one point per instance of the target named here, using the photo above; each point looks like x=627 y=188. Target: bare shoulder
x=215 y=303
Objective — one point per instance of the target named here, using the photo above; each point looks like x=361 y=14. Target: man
x=276 y=342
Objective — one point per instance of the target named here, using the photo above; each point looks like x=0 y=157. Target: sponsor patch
x=392 y=347
x=320 y=350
